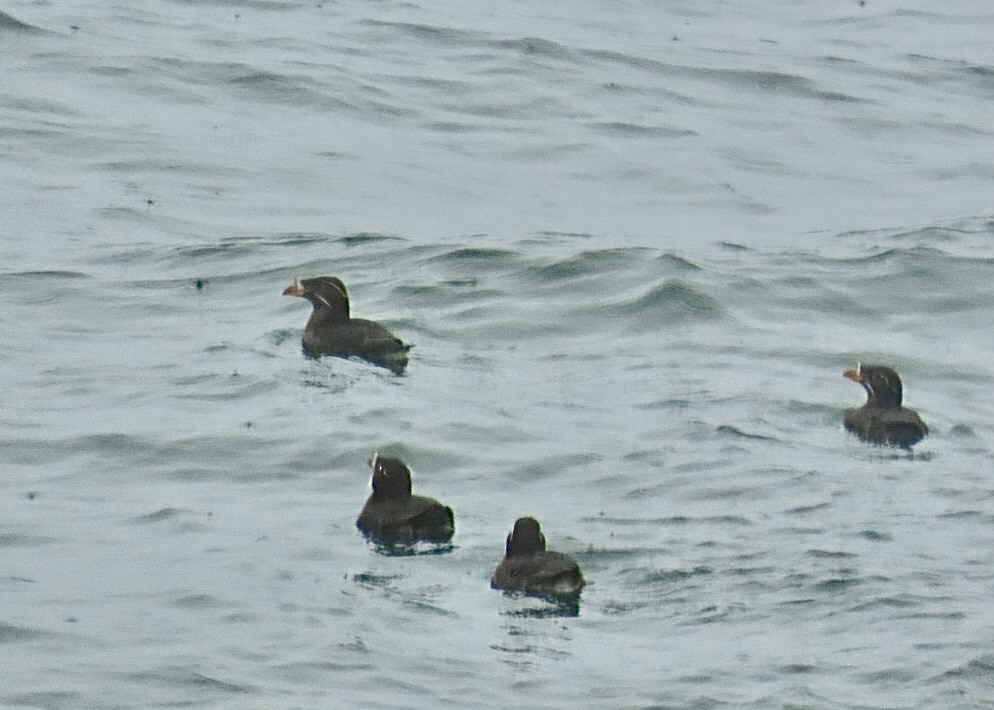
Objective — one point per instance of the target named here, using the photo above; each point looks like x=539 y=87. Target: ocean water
x=635 y=245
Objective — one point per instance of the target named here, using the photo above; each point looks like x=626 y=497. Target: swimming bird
x=393 y=515
x=528 y=567
x=331 y=331
x=882 y=420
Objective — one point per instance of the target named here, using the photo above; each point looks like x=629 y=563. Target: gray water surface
x=635 y=246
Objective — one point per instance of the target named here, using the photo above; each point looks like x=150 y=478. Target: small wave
x=46 y=699
x=671 y=302
x=479 y=256
x=33 y=275
x=555 y=466
x=586 y=263
x=365 y=238
x=183 y=677
x=537 y=46
x=668 y=576
x=18 y=540
x=10 y=633
x=798 y=669
x=807 y=509
x=964 y=515
x=198 y=601
x=12 y=24
x=963 y=430
x=158 y=516
x=635 y=130
x=888 y=602
x=739 y=434
x=271 y=87
x=875 y=536
x=777 y=83
x=673 y=262
x=979 y=667
x=439 y=295
x=773 y=82
x=675 y=520
x=429 y=33
x=837 y=584
x=830 y=554
x=239 y=246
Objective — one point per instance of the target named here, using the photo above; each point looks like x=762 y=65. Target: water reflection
x=540 y=606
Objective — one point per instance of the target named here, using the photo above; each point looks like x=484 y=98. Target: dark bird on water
x=392 y=515
x=528 y=567
x=882 y=420
x=331 y=331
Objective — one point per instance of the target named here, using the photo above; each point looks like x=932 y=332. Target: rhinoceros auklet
x=882 y=420
x=330 y=330
x=393 y=516
x=528 y=567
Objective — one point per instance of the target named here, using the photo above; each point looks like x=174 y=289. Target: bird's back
x=356 y=337
x=542 y=573
x=413 y=518
x=886 y=425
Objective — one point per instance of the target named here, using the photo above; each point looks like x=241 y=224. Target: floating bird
x=393 y=516
x=528 y=567
x=882 y=420
x=331 y=331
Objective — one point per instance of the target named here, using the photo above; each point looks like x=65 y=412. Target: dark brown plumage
x=528 y=567
x=392 y=515
x=332 y=331
x=882 y=420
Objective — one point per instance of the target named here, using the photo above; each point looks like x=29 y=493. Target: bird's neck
x=886 y=399
x=323 y=314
